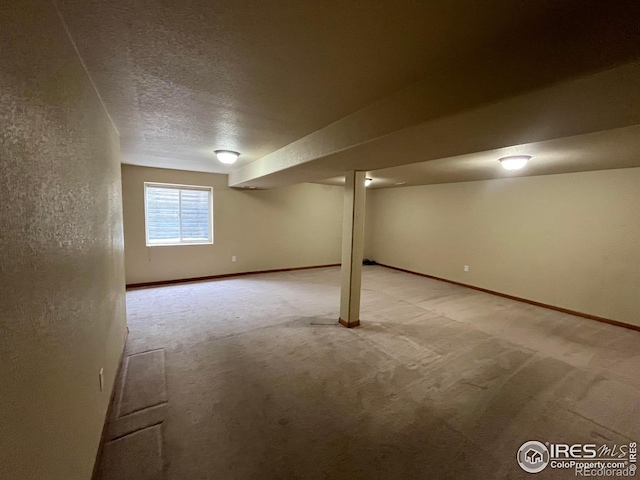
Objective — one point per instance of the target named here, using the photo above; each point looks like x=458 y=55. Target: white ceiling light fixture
x=367 y=181
x=227 y=157
x=515 y=162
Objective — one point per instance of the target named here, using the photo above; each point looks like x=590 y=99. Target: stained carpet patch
x=144 y=383
x=137 y=456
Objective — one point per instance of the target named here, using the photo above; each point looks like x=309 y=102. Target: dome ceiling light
x=227 y=157
x=515 y=162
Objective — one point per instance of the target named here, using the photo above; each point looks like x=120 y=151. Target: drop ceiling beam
x=430 y=121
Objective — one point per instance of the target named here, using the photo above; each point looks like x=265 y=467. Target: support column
x=352 y=248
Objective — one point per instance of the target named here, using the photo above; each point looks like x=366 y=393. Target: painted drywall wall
x=295 y=226
x=368 y=226
x=62 y=311
x=570 y=240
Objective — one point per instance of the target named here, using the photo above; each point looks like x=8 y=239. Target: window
x=178 y=214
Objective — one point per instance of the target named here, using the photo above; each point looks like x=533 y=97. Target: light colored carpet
x=440 y=381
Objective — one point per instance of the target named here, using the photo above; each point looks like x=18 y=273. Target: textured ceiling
x=291 y=83
x=183 y=78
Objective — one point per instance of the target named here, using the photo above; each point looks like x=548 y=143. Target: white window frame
x=178 y=187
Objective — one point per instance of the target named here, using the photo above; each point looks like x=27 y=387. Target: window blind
x=178 y=214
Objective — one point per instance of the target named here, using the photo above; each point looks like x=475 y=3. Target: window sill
x=177 y=244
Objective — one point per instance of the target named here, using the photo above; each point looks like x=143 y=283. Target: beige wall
x=286 y=227
x=570 y=240
x=368 y=225
x=62 y=312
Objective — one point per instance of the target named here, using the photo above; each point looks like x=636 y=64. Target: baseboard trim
x=344 y=323
x=520 y=299
x=103 y=436
x=224 y=275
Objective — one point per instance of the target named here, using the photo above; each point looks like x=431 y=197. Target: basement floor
x=252 y=378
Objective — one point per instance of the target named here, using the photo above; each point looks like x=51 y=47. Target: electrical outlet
x=233 y=259
x=101 y=376
x=466 y=268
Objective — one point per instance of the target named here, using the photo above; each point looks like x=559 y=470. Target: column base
x=349 y=324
